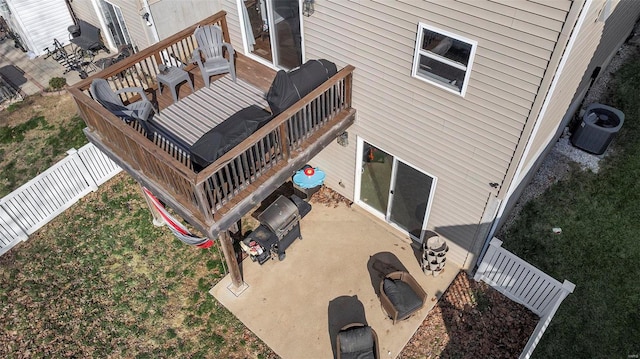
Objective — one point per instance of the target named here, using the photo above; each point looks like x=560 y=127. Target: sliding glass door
x=114 y=20
x=272 y=31
x=394 y=190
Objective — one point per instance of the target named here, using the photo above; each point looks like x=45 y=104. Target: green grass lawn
x=101 y=281
x=34 y=135
x=599 y=248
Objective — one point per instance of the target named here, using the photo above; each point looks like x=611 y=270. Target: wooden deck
x=215 y=198
x=252 y=72
x=197 y=113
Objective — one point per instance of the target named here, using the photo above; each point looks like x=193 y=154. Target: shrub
x=57 y=83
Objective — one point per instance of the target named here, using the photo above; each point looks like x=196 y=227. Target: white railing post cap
x=568 y=286
x=496 y=242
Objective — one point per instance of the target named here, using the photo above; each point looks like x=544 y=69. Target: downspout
x=581 y=15
x=73 y=14
x=154 y=31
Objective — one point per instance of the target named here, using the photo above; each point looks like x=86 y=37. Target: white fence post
x=11 y=232
x=482 y=269
x=73 y=154
x=567 y=287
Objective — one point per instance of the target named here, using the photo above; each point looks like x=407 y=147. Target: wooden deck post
x=230 y=256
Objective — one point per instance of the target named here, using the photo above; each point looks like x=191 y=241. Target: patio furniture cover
x=87 y=37
x=209 y=54
x=357 y=341
x=289 y=87
x=225 y=136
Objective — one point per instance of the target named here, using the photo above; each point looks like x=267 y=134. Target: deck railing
x=206 y=192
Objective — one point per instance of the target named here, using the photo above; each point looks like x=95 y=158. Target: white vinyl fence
x=524 y=284
x=37 y=202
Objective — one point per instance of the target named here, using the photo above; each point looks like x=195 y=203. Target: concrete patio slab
x=31 y=75
x=327 y=280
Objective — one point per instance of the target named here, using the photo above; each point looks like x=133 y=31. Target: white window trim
x=420 y=52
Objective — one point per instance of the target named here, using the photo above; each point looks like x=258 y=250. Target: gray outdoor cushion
x=356 y=343
x=402 y=296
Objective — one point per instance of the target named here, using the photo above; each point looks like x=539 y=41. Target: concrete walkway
x=327 y=280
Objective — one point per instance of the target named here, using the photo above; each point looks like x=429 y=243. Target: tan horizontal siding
x=465 y=142
x=534 y=25
x=233 y=23
x=560 y=5
x=84 y=10
x=499 y=74
x=133 y=21
x=616 y=29
x=475 y=28
x=571 y=76
x=500 y=117
x=404 y=28
x=546 y=10
x=518 y=15
x=340 y=174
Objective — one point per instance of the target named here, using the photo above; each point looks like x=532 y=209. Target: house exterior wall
x=466 y=142
x=132 y=10
x=618 y=26
x=233 y=23
x=84 y=9
x=171 y=16
x=595 y=45
x=39 y=22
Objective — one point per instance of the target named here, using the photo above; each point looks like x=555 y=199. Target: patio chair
x=209 y=54
x=401 y=295
x=357 y=341
x=139 y=110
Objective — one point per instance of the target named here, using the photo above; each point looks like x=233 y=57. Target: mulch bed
x=472 y=320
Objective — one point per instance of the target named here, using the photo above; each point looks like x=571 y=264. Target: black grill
x=279 y=228
x=280 y=217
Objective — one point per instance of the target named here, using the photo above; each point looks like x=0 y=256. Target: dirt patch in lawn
x=472 y=320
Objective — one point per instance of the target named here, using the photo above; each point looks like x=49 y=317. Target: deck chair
x=357 y=341
x=139 y=110
x=401 y=295
x=209 y=55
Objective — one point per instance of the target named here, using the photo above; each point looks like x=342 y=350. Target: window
x=443 y=59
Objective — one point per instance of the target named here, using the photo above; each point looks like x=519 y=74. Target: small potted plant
x=57 y=84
